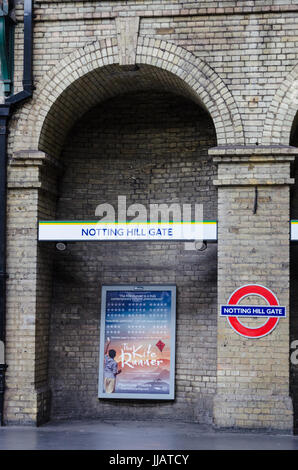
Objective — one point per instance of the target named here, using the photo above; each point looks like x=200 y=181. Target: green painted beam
x=5 y=75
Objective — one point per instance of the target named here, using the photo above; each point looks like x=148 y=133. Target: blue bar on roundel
x=253 y=311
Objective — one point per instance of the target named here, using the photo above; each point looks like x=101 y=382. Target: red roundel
x=244 y=291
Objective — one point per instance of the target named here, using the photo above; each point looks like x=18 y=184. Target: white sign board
x=103 y=231
x=294 y=230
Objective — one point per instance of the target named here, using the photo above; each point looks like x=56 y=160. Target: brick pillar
x=31 y=196
x=253 y=248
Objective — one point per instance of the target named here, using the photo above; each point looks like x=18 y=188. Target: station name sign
x=56 y=230
x=253 y=311
x=104 y=231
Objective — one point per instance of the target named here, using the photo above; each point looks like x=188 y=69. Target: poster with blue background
x=137 y=342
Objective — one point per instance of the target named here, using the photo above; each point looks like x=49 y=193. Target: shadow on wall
x=294 y=277
x=152 y=147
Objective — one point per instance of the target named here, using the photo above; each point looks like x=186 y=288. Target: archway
x=86 y=79
x=282 y=111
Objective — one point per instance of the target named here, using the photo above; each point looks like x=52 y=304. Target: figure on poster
x=110 y=368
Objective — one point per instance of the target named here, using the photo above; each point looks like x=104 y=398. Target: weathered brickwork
x=136 y=114
x=253 y=54
x=253 y=247
x=31 y=196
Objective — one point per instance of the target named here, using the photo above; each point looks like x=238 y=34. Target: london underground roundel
x=271 y=312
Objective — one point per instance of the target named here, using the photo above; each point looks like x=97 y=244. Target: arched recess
x=90 y=75
x=78 y=83
x=282 y=111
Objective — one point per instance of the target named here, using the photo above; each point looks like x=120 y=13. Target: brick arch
x=92 y=74
x=282 y=111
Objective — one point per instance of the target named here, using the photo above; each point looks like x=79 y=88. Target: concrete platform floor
x=136 y=435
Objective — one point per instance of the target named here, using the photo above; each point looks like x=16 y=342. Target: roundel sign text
x=272 y=312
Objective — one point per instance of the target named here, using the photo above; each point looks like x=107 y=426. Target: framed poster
x=137 y=342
